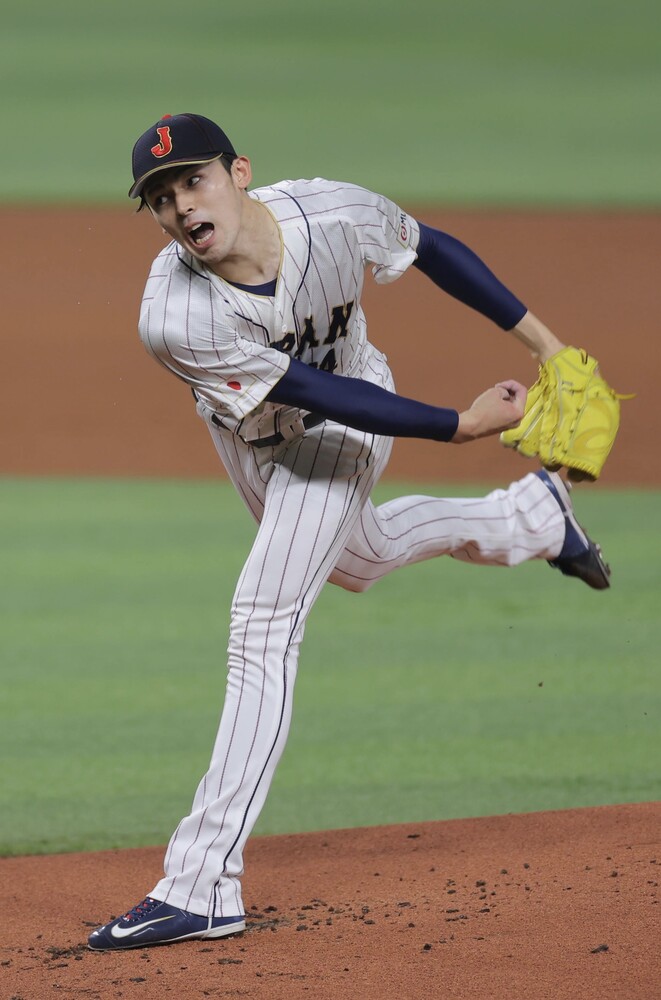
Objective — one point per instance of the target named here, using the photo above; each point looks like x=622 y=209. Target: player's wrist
x=537 y=337
x=466 y=428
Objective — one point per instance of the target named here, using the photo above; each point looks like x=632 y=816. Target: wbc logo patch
x=164 y=145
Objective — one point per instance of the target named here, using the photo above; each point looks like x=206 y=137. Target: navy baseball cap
x=176 y=140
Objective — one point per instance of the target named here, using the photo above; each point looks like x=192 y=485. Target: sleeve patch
x=404 y=232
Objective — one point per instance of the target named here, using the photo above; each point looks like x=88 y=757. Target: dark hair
x=227 y=159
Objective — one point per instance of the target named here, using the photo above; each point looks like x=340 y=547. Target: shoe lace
x=141 y=909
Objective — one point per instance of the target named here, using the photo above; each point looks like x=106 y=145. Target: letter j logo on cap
x=164 y=145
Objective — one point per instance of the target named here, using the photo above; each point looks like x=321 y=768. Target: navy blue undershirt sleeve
x=362 y=405
x=456 y=269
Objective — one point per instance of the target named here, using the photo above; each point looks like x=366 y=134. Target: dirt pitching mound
x=542 y=906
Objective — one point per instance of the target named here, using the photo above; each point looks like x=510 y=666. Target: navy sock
x=575 y=541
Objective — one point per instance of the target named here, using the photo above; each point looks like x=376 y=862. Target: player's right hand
x=496 y=410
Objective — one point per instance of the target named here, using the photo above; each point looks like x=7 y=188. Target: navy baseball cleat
x=580 y=556
x=154 y=922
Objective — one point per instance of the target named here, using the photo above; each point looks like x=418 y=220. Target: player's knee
x=351 y=583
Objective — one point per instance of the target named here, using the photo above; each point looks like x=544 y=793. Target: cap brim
x=136 y=190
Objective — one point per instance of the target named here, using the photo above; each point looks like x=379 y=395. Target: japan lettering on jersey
x=233 y=346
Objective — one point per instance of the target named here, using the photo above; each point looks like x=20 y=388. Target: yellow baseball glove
x=571 y=418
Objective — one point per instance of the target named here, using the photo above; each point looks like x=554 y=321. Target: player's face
x=202 y=208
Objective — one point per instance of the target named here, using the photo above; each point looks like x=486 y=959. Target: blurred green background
x=434 y=101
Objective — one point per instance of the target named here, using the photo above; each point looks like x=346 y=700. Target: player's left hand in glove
x=571 y=418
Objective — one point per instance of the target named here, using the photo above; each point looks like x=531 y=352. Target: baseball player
x=256 y=305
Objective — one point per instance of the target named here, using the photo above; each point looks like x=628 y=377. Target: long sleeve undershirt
x=457 y=270
x=362 y=405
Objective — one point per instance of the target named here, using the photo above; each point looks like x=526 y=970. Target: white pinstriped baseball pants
x=316 y=522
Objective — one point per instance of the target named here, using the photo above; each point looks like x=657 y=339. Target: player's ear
x=241 y=172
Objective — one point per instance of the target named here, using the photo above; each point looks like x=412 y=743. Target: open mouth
x=202 y=233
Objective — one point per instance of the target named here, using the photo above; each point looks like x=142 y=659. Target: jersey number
x=338 y=327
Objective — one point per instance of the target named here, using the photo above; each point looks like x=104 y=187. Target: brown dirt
x=84 y=397
x=543 y=906
x=547 y=906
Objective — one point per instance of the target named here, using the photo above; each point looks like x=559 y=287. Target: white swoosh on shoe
x=124 y=932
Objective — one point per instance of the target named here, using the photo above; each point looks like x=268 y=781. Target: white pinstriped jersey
x=233 y=346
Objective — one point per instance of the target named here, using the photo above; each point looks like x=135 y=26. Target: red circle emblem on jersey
x=234 y=385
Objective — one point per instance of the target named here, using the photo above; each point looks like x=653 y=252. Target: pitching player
x=256 y=305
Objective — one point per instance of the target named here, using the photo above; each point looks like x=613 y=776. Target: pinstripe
x=308 y=587
x=212 y=844
x=310 y=495
x=172 y=365
x=187 y=322
x=307 y=287
x=344 y=294
x=271 y=750
x=313 y=575
x=305 y=268
x=400 y=532
x=189 y=266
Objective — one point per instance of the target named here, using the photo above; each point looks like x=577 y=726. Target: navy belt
x=312 y=420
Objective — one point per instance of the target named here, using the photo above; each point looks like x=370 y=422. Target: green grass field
x=445 y=691
x=430 y=101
